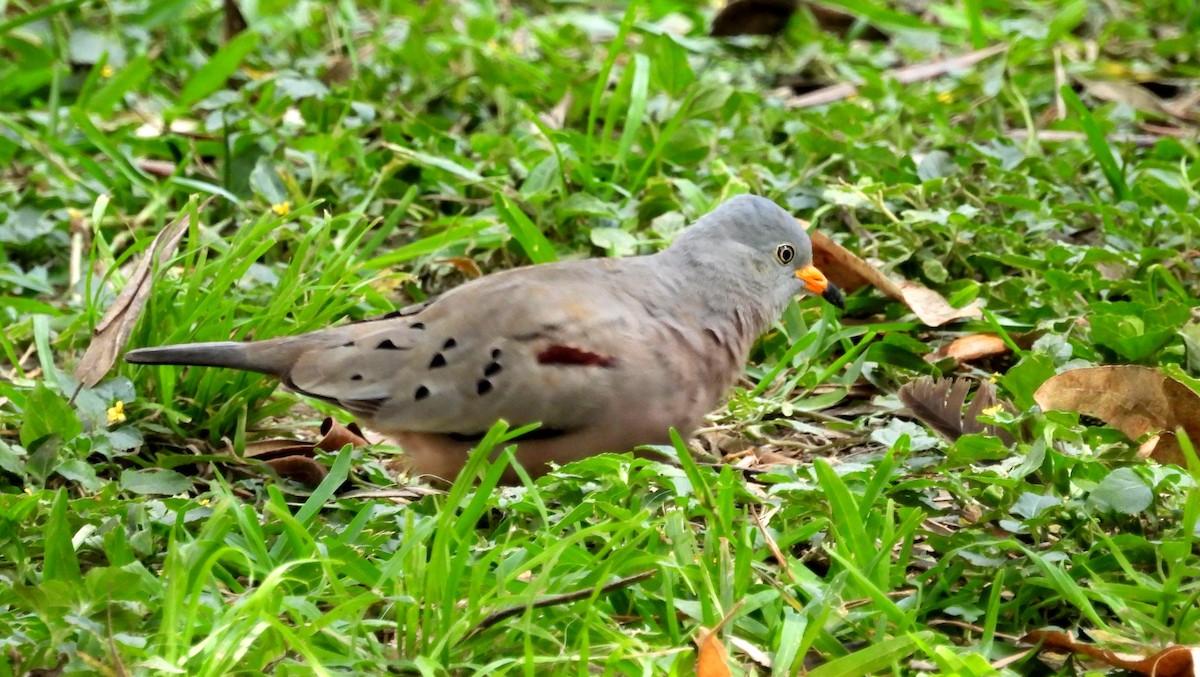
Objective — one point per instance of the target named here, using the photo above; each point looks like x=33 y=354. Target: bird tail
x=265 y=357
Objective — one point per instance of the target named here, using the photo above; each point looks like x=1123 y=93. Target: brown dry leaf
x=300 y=469
x=850 y=272
x=265 y=450
x=463 y=264
x=1068 y=136
x=973 y=347
x=1135 y=400
x=753 y=17
x=293 y=459
x=334 y=435
x=235 y=22
x=1123 y=91
x=712 y=660
x=939 y=403
x=1173 y=661
x=839 y=23
x=159 y=168
x=905 y=75
x=114 y=328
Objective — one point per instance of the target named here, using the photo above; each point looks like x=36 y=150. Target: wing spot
x=387 y=344
x=483 y=386
x=495 y=353
x=439 y=360
x=422 y=393
x=492 y=369
x=417 y=325
x=348 y=344
x=356 y=377
x=573 y=357
x=450 y=343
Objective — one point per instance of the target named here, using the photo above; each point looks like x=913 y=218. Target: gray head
x=763 y=242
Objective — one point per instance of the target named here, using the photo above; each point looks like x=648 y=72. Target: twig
x=553 y=600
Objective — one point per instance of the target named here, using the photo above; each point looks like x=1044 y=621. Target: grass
x=364 y=156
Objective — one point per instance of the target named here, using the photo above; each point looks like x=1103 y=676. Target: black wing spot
x=417 y=325
x=439 y=360
x=450 y=343
x=483 y=387
x=348 y=344
x=356 y=377
x=422 y=393
x=387 y=344
x=492 y=369
x=496 y=353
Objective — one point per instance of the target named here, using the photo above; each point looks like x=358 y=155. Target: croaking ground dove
x=606 y=354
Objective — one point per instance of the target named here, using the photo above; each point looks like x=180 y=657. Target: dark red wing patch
x=573 y=357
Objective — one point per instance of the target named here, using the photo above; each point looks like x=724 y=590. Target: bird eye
x=784 y=253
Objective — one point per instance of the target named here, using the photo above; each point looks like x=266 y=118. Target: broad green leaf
x=212 y=75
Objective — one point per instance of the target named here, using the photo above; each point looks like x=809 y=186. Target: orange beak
x=816 y=282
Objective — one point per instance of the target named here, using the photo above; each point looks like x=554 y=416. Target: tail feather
x=231 y=354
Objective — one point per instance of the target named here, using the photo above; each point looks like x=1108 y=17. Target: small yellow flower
x=283 y=208
x=945 y=97
x=203 y=502
x=107 y=71
x=994 y=377
x=993 y=410
x=116 y=413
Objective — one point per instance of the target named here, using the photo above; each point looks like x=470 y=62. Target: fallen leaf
x=753 y=17
x=463 y=264
x=938 y=403
x=850 y=272
x=1173 y=661
x=1068 y=136
x=334 y=435
x=1121 y=91
x=973 y=347
x=114 y=328
x=840 y=23
x=235 y=22
x=300 y=469
x=1135 y=400
x=712 y=659
x=160 y=168
x=294 y=459
x=905 y=75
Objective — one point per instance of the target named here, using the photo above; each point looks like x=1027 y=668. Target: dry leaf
x=1121 y=91
x=905 y=75
x=1135 y=400
x=753 y=17
x=114 y=328
x=839 y=23
x=159 y=168
x=300 y=469
x=850 y=272
x=1068 y=136
x=1173 y=661
x=712 y=660
x=938 y=403
x=294 y=459
x=973 y=347
x=235 y=22
x=334 y=435
x=463 y=264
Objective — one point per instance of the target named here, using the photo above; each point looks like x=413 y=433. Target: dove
x=606 y=354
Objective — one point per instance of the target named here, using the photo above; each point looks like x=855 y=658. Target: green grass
x=356 y=152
